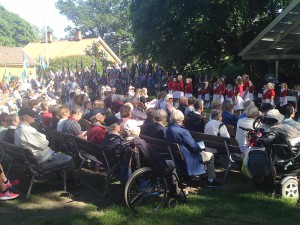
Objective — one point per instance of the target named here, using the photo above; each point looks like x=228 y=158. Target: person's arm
x=189 y=142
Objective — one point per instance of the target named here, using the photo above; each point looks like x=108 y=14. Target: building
x=66 y=48
x=11 y=61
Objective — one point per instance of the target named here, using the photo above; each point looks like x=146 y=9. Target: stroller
x=274 y=162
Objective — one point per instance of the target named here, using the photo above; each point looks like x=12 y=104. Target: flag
x=42 y=63
x=25 y=66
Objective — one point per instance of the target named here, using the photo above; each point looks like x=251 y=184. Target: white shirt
x=212 y=128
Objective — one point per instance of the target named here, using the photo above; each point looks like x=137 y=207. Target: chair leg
x=30 y=186
x=227 y=171
x=64 y=180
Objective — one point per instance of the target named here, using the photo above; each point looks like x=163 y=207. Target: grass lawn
x=235 y=203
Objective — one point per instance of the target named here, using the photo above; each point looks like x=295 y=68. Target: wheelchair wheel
x=289 y=189
x=172 y=203
x=114 y=189
x=145 y=191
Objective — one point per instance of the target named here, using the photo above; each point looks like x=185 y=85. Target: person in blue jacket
x=195 y=157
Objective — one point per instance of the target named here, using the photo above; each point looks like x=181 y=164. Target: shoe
x=213 y=184
x=8 y=195
x=11 y=183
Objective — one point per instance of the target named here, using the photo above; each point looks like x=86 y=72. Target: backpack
x=258 y=162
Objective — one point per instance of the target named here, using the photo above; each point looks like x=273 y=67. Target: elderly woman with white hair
x=252 y=112
x=192 y=152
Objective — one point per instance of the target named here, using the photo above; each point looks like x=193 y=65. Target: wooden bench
x=25 y=157
x=219 y=146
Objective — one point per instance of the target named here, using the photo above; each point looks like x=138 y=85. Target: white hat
x=168 y=96
x=131 y=128
x=274 y=113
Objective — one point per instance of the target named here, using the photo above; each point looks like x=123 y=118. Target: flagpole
x=47 y=51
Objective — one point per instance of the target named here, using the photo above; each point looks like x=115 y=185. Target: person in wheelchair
x=194 y=156
x=147 y=156
x=281 y=142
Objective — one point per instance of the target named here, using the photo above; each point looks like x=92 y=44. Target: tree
x=198 y=33
x=14 y=31
x=105 y=18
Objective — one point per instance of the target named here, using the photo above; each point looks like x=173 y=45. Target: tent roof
x=279 y=40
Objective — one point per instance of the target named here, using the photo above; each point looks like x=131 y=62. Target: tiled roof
x=14 y=56
x=67 y=48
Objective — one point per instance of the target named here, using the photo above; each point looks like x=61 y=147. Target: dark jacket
x=194 y=122
x=229 y=118
x=158 y=131
x=146 y=127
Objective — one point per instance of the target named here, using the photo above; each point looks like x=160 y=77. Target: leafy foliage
x=15 y=31
x=198 y=33
x=105 y=18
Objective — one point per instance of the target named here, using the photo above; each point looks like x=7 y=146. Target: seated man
x=289 y=114
x=192 y=152
x=149 y=122
x=158 y=130
x=190 y=107
x=215 y=126
x=71 y=125
x=227 y=117
x=96 y=133
x=28 y=137
x=194 y=121
x=12 y=122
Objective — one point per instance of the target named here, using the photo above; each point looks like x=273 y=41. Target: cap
x=131 y=127
x=96 y=110
x=26 y=111
x=110 y=120
x=274 y=113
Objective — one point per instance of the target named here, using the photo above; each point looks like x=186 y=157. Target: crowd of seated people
x=111 y=114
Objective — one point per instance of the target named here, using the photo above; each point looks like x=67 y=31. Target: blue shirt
x=229 y=118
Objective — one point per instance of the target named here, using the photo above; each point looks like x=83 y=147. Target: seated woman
x=5 y=185
x=192 y=152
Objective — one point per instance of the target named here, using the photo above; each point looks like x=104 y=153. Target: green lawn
x=235 y=203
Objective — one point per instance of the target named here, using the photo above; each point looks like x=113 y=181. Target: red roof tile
x=14 y=56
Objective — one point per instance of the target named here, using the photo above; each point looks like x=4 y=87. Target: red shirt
x=96 y=134
x=270 y=93
x=206 y=90
x=239 y=90
x=229 y=93
x=189 y=88
x=221 y=89
x=246 y=85
x=174 y=86
x=46 y=118
x=251 y=88
x=180 y=86
x=283 y=93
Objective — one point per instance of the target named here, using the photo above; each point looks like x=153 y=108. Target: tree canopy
x=204 y=32
x=15 y=31
x=108 y=19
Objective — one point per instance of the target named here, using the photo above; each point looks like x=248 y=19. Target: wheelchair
x=139 y=185
x=275 y=162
